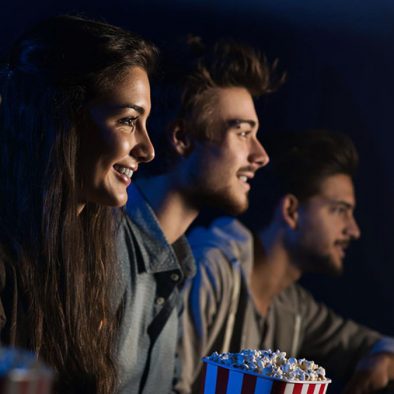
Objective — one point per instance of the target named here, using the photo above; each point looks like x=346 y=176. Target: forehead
x=132 y=88
x=234 y=103
x=338 y=187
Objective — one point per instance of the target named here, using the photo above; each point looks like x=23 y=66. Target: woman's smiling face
x=114 y=140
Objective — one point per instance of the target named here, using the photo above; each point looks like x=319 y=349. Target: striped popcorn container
x=21 y=373
x=222 y=379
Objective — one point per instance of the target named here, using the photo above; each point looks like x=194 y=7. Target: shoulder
x=226 y=239
x=294 y=297
x=212 y=264
x=221 y=231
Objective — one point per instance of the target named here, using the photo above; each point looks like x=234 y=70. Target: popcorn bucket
x=21 y=373
x=222 y=379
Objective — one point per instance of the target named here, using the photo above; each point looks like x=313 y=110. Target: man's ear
x=289 y=206
x=180 y=138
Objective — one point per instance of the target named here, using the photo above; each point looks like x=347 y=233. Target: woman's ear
x=180 y=138
x=289 y=206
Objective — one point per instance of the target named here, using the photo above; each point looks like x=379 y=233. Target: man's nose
x=258 y=154
x=353 y=229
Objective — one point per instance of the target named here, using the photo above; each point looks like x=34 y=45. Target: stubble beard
x=219 y=199
x=311 y=261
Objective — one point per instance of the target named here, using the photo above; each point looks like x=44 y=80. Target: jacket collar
x=157 y=254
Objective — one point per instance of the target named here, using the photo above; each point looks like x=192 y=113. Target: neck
x=272 y=270
x=169 y=204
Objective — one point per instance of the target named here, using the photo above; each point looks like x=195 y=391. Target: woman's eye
x=131 y=122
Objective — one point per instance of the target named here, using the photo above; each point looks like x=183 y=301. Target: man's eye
x=131 y=122
x=340 y=210
x=244 y=133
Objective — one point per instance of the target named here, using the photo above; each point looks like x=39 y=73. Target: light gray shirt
x=295 y=323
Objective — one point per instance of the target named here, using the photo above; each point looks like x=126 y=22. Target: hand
x=372 y=373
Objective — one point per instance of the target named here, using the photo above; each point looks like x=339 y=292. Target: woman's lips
x=123 y=173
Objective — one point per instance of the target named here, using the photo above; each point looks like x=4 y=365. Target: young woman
x=75 y=98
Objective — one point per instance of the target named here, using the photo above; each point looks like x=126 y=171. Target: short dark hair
x=299 y=162
x=191 y=72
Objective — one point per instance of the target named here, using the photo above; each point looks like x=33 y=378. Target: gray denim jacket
x=150 y=272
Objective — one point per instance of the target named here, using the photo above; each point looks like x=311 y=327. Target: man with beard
x=207 y=156
x=245 y=293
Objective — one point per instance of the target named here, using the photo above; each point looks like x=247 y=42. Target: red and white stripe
x=40 y=384
x=220 y=380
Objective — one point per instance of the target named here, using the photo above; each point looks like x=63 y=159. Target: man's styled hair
x=187 y=90
x=299 y=163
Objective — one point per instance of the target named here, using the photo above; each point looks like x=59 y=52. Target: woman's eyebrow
x=136 y=107
x=139 y=109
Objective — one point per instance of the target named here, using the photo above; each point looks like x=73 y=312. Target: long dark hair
x=64 y=262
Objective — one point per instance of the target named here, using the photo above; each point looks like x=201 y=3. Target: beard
x=309 y=260
x=221 y=199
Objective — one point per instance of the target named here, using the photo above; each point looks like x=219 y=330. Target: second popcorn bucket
x=22 y=373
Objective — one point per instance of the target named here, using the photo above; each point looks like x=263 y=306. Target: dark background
x=339 y=56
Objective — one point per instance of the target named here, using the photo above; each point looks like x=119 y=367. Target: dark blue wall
x=339 y=56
